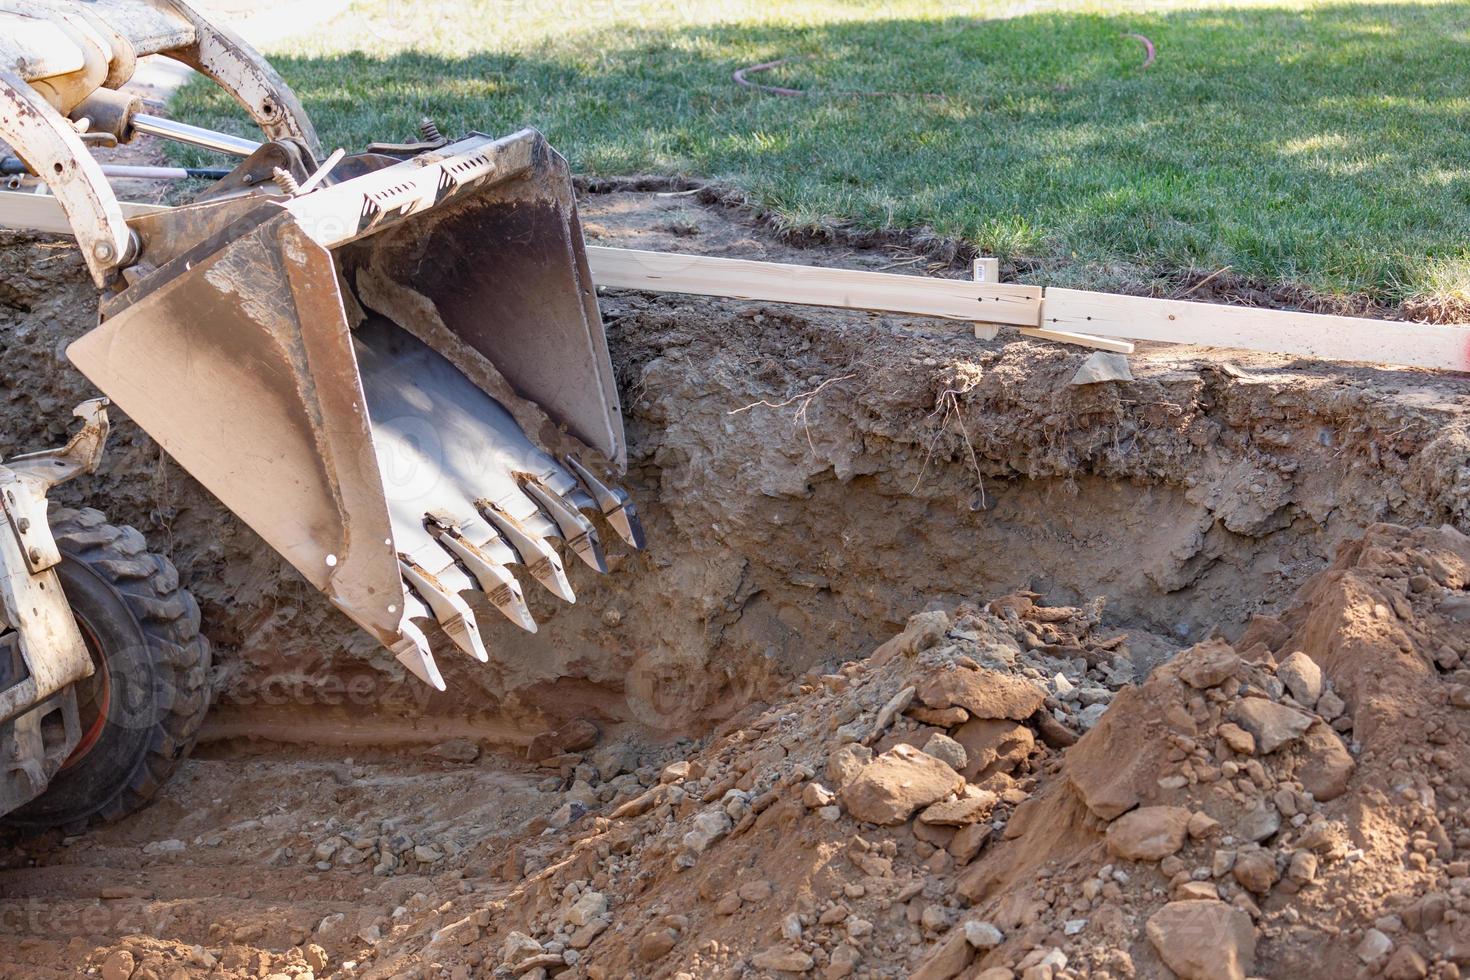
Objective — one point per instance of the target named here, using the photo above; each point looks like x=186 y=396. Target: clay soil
x=703 y=767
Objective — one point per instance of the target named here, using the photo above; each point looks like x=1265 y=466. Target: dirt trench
x=808 y=480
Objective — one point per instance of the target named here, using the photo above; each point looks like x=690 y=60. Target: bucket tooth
x=614 y=503
x=452 y=612
x=540 y=559
x=495 y=580
x=578 y=532
x=412 y=647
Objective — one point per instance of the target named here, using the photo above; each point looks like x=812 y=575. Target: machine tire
x=145 y=629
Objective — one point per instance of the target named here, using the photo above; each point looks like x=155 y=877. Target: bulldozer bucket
x=400 y=381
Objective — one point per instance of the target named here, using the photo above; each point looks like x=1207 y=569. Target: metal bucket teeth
x=452 y=612
x=578 y=532
x=495 y=580
x=614 y=503
x=412 y=646
x=540 y=559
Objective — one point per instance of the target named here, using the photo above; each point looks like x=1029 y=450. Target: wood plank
x=1314 y=335
x=21 y=211
x=1080 y=339
x=954 y=299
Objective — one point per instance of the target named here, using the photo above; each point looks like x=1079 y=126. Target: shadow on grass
x=1323 y=148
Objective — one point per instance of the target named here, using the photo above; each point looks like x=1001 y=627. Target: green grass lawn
x=1322 y=146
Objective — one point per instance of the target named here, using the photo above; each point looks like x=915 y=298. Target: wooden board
x=1314 y=335
x=1079 y=339
x=42 y=212
x=953 y=299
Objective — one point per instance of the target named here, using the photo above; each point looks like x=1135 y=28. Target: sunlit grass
x=1320 y=145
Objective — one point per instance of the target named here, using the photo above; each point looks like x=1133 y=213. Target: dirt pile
x=992 y=793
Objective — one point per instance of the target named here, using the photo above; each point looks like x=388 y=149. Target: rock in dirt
x=948 y=959
x=1302 y=677
x=923 y=631
x=1205 y=940
x=1207 y=664
x=903 y=779
x=987 y=741
x=1237 y=739
x=1327 y=765
x=456 y=750
x=946 y=750
x=1102 y=366
x=574 y=736
x=1149 y=833
x=1259 y=822
x=1272 y=725
x=975 y=805
x=844 y=765
x=783 y=960
x=983 y=693
x=118 y=966
x=1255 y=869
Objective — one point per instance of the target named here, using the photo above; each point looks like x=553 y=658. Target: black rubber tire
x=147 y=629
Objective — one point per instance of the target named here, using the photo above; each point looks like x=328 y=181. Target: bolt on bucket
x=400 y=381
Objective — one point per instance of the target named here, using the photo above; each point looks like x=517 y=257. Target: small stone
x=983 y=693
x=675 y=772
x=656 y=943
x=456 y=750
x=1204 y=940
x=755 y=891
x=890 y=788
x=588 y=906
x=171 y=846
x=1406 y=963
x=846 y=763
x=1255 y=869
x=782 y=959
x=709 y=825
x=1273 y=725
x=1148 y=834
x=983 y=935
x=1196 y=891
x=1259 y=823
x=118 y=966
x=1374 y=947
x=574 y=736
x=1330 y=706
x=1302 y=677
x=968 y=841
x=518 y=947
x=1328 y=766
x=427 y=854
x=1303 y=868
x=1201 y=825
x=946 y=750
x=1207 y=664
x=728 y=904
x=890 y=711
x=1238 y=739
x=972 y=807
x=938 y=717
x=815 y=796
x=845 y=959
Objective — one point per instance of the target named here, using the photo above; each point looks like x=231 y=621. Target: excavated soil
x=677 y=774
